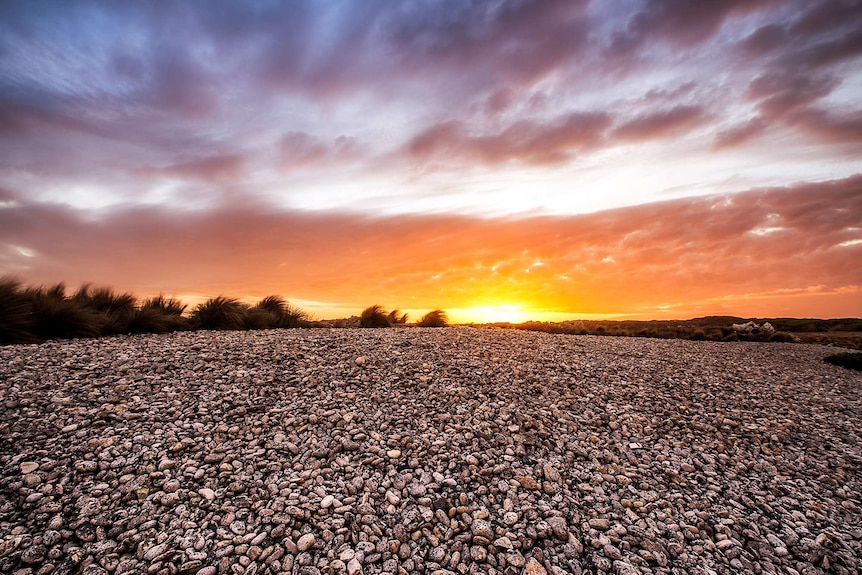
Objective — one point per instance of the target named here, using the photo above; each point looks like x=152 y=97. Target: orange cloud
x=757 y=251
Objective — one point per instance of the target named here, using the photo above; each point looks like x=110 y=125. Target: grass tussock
x=16 y=313
x=278 y=313
x=56 y=316
x=220 y=313
x=849 y=360
x=34 y=314
x=374 y=316
x=435 y=318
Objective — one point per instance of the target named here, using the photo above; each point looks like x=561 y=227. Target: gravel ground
x=439 y=451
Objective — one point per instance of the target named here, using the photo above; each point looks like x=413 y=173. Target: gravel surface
x=440 y=451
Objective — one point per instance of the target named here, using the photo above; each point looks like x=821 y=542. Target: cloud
x=530 y=142
x=660 y=124
x=681 y=22
x=740 y=134
x=554 y=141
x=107 y=98
x=301 y=150
x=690 y=251
x=214 y=169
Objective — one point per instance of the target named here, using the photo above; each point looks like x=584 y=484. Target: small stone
x=28 y=467
x=534 y=568
x=305 y=542
x=360 y=360
x=209 y=570
x=551 y=474
x=238 y=528
x=207 y=493
x=515 y=559
x=326 y=502
x=347 y=555
x=478 y=553
x=393 y=453
x=34 y=554
x=528 y=482
x=354 y=567
x=559 y=527
x=170 y=499
x=482 y=528
x=155 y=551
x=86 y=466
x=600 y=523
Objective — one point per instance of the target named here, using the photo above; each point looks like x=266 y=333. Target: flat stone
x=528 y=482
x=305 y=542
x=534 y=568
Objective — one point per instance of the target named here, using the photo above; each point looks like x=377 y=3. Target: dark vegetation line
x=36 y=314
x=845 y=332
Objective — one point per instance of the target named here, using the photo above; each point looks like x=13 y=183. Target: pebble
x=460 y=450
x=305 y=542
x=559 y=527
x=534 y=568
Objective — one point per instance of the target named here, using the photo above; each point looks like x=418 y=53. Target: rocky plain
x=438 y=451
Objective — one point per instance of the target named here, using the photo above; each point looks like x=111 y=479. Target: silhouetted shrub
x=374 y=316
x=257 y=318
x=220 y=313
x=394 y=318
x=115 y=310
x=282 y=313
x=698 y=335
x=153 y=320
x=16 y=319
x=159 y=315
x=56 y=316
x=850 y=360
x=436 y=318
x=168 y=306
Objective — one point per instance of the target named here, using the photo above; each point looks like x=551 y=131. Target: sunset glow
x=504 y=161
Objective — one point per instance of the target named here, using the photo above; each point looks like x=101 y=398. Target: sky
x=503 y=160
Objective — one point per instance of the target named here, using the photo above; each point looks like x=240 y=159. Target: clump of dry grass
x=847 y=359
x=374 y=316
x=41 y=313
x=57 y=316
x=274 y=312
x=435 y=318
x=16 y=313
x=220 y=313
